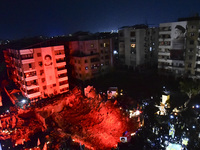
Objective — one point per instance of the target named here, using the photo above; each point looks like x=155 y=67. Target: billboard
x=178 y=43
x=48 y=65
x=178 y=32
x=123 y=139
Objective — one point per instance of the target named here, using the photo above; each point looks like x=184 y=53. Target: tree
x=190 y=87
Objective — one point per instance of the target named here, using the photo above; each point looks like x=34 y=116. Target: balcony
x=59 y=64
x=165 y=46
x=62 y=71
x=165 y=39
x=64 y=86
x=60 y=56
x=62 y=79
x=57 y=48
x=165 y=60
x=31 y=87
x=164 y=32
x=37 y=94
x=164 y=53
x=28 y=61
x=30 y=70
x=31 y=78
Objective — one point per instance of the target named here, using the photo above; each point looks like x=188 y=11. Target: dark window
x=190 y=57
x=54 y=85
x=190 y=50
x=94 y=59
x=121 y=34
x=192 y=34
x=30 y=65
x=41 y=72
x=132 y=34
x=43 y=79
x=38 y=54
x=189 y=65
x=191 y=42
x=107 y=57
x=40 y=63
x=44 y=87
x=86 y=61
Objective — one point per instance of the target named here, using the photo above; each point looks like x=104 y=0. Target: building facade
x=138 y=46
x=38 y=72
x=179 y=49
x=91 y=58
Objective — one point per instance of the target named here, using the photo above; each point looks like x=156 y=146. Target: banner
x=49 y=68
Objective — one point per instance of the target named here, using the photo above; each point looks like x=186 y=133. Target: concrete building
x=179 y=51
x=138 y=46
x=91 y=57
x=38 y=72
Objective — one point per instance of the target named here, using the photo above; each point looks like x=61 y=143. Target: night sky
x=27 y=18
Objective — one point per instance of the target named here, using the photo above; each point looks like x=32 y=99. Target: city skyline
x=49 y=18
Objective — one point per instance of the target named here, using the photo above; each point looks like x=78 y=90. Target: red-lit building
x=38 y=72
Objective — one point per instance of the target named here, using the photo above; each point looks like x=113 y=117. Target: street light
x=23 y=101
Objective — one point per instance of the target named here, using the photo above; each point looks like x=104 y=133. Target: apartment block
x=91 y=58
x=138 y=46
x=38 y=72
x=179 y=49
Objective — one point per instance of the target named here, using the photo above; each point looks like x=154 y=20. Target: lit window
x=92 y=45
x=133 y=45
x=86 y=68
x=115 y=52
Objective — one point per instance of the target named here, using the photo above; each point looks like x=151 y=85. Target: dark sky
x=26 y=18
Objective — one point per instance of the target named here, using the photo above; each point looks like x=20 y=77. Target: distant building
x=92 y=56
x=38 y=72
x=138 y=46
x=179 y=50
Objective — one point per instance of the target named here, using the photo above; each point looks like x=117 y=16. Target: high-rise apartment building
x=91 y=58
x=138 y=46
x=179 y=49
x=38 y=72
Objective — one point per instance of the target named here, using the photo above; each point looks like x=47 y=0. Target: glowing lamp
x=23 y=101
x=132 y=134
